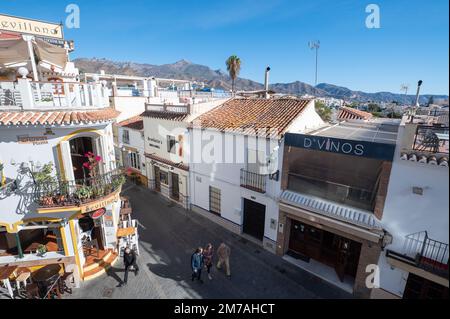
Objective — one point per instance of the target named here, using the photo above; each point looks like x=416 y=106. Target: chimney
x=417 y=94
x=416 y=104
x=266 y=83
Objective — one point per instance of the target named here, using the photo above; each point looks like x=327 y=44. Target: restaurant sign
x=97 y=213
x=341 y=146
x=35 y=140
x=30 y=26
x=100 y=204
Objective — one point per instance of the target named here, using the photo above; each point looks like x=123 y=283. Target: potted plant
x=45 y=183
x=2 y=177
x=41 y=250
x=83 y=192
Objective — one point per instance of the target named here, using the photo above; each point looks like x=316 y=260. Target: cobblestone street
x=168 y=236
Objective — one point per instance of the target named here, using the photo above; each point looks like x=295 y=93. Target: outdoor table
x=125 y=232
x=5 y=272
x=46 y=275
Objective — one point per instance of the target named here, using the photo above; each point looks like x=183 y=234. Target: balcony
x=431 y=139
x=425 y=253
x=253 y=181
x=29 y=95
x=86 y=193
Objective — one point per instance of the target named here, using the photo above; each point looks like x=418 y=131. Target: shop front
x=169 y=179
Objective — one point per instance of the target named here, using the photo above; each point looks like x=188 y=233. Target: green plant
x=41 y=249
x=323 y=111
x=83 y=192
x=44 y=175
x=233 y=64
x=118 y=181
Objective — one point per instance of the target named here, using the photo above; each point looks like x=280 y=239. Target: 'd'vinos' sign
x=98 y=213
x=341 y=146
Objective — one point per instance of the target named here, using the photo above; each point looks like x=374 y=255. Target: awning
x=49 y=53
x=13 y=51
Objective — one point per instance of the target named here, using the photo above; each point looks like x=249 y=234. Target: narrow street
x=168 y=236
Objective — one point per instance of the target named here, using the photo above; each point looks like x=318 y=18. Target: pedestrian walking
x=129 y=260
x=223 y=253
x=208 y=253
x=197 y=264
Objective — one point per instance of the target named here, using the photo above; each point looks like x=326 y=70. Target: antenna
x=315 y=45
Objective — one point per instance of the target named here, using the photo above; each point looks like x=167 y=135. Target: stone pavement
x=169 y=234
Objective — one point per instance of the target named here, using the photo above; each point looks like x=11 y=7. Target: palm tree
x=233 y=64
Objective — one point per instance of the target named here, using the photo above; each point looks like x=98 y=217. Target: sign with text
x=35 y=140
x=341 y=146
x=30 y=26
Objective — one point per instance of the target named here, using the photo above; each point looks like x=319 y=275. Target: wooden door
x=157 y=179
x=175 y=187
x=254 y=219
x=342 y=257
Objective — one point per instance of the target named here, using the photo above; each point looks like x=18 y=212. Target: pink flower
x=98 y=158
x=86 y=165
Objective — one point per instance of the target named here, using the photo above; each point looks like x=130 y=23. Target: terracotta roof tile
x=173 y=116
x=135 y=123
x=348 y=113
x=57 y=117
x=250 y=115
x=182 y=166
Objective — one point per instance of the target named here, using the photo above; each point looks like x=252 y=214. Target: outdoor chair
x=429 y=142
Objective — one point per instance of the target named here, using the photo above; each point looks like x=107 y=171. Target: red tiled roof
x=56 y=117
x=135 y=123
x=250 y=115
x=348 y=113
x=164 y=115
x=182 y=166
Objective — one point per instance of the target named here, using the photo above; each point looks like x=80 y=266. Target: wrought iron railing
x=426 y=253
x=57 y=193
x=432 y=139
x=254 y=181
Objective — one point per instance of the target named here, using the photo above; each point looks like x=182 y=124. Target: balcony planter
x=83 y=192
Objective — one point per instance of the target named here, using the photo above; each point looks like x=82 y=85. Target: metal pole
x=317 y=55
x=19 y=246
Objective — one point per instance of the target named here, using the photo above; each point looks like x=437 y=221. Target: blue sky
x=412 y=43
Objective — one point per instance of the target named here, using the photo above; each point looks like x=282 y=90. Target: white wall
x=223 y=172
x=19 y=205
x=309 y=120
x=128 y=106
x=407 y=213
x=136 y=141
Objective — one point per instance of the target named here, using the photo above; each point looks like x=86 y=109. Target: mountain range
x=185 y=70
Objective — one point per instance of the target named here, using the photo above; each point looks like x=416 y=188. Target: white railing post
x=67 y=94
x=98 y=91
x=26 y=93
x=86 y=94
x=77 y=90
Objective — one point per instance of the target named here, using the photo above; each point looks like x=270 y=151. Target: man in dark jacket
x=197 y=264
x=129 y=259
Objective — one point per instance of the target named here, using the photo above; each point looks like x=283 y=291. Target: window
x=126 y=137
x=214 y=200
x=171 y=144
x=134 y=160
x=163 y=177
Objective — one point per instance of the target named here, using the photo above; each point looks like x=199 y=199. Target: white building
x=55 y=208
x=234 y=163
x=132 y=147
x=167 y=144
x=415 y=265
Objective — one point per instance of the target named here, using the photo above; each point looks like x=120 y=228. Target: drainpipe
x=19 y=246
